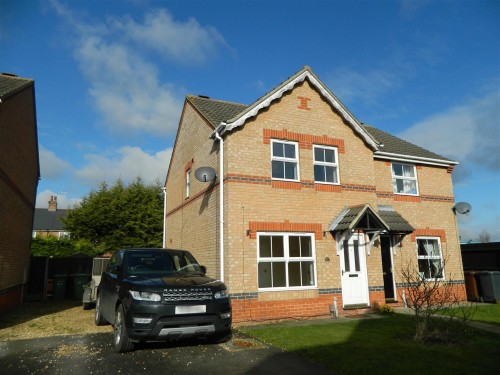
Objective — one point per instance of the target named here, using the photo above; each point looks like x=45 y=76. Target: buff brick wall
x=251 y=197
x=18 y=181
x=192 y=223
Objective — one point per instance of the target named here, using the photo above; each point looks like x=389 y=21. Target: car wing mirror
x=204 y=269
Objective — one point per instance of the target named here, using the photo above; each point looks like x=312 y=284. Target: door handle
x=342 y=272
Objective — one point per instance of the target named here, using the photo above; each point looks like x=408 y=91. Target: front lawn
x=488 y=314
x=383 y=345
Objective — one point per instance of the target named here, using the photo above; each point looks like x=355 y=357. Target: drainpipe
x=221 y=202
x=164 y=217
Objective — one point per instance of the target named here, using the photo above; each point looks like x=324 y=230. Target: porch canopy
x=364 y=218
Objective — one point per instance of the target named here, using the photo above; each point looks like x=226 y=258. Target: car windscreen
x=160 y=263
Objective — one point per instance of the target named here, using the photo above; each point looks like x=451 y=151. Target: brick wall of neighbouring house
x=252 y=200
x=18 y=181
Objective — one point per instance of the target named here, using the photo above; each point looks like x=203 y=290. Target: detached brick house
x=19 y=175
x=319 y=211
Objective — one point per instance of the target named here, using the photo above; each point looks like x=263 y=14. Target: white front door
x=353 y=270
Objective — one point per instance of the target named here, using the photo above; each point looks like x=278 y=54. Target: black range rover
x=161 y=294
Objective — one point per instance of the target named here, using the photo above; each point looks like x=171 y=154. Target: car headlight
x=145 y=296
x=221 y=294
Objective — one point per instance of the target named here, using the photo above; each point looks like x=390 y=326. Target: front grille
x=183 y=294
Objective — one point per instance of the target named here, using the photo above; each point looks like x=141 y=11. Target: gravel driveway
x=93 y=354
x=59 y=337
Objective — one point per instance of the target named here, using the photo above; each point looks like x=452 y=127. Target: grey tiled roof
x=216 y=111
x=48 y=220
x=9 y=84
x=397 y=145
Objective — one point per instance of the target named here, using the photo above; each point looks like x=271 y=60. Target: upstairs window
x=430 y=260
x=404 y=179
x=188 y=183
x=326 y=169
x=284 y=160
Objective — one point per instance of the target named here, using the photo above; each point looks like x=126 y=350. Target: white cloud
x=123 y=82
x=63 y=200
x=468 y=133
x=126 y=164
x=348 y=84
x=184 y=42
x=51 y=166
x=126 y=89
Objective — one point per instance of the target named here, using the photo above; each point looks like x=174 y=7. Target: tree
x=484 y=236
x=440 y=315
x=119 y=216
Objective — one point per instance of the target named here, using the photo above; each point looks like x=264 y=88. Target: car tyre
x=99 y=319
x=121 y=341
x=87 y=305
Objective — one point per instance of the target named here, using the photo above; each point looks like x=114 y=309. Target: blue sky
x=111 y=77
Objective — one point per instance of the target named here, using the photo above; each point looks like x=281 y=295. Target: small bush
x=386 y=309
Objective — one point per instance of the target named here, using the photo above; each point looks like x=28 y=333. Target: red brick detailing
x=356 y=187
x=418 y=167
x=253 y=310
x=411 y=198
x=388 y=163
x=306 y=141
x=328 y=188
x=303 y=103
x=429 y=233
x=188 y=166
x=286 y=185
x=406 y=198
x=286 y=226
x=458 y=290
x=450 y=168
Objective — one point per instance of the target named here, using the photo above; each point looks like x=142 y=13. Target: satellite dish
x=462 y=208
x=204 y=174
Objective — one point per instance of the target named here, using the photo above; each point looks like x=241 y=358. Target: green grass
x=384 y=345
x=488 y=314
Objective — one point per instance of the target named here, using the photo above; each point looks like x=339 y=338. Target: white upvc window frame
x=334 y=165
x=284 y=159
x=188 y=183
x=287 y=259
x=430 y=257
x=396 y=177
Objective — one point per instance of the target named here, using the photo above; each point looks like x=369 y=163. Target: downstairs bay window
x=430 y=260
x=286 y=261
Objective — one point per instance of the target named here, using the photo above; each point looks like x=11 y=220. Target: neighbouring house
x=19 y=175
x=317 y=214
x=48 y=222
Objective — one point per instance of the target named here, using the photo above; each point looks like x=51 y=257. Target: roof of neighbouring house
x=394 y=145
x=45 y=220
x=385 y=145
x=10 y=84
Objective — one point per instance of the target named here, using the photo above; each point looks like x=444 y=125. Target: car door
x=108 y=287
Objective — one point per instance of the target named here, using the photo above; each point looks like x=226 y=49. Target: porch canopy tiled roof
x=364 y=218
x=225 y=116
